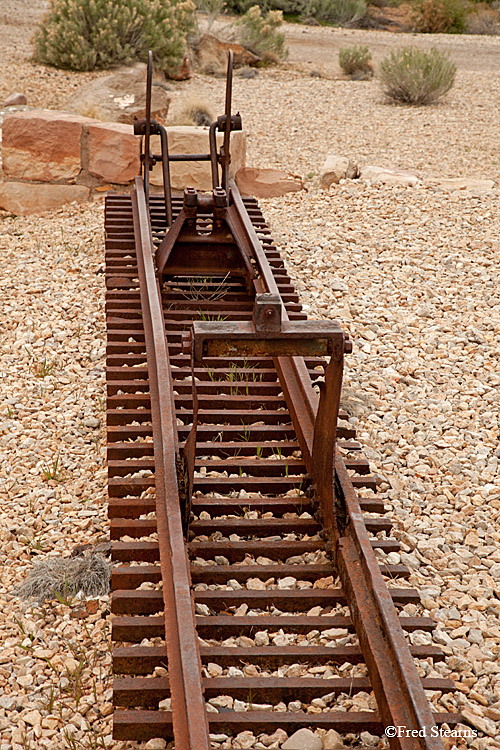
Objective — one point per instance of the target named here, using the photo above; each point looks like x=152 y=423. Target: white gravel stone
x=303 y=739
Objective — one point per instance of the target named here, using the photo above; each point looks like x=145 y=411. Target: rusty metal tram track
x=212 y=413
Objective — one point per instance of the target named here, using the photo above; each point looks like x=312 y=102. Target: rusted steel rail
x=228 y=470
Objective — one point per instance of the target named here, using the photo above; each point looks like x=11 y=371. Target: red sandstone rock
x=42 y=145
x=267 y=183
x=184 y=73
x=23 y=198
x=113 y=152
x=211 y=55
x=120 y=97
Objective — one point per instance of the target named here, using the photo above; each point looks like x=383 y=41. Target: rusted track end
x=145 y=399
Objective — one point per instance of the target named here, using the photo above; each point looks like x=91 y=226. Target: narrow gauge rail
x=226 y=468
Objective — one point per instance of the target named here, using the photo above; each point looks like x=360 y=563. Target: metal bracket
x=267 y=312
x=303 y=338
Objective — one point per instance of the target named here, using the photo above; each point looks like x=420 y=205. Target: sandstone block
x=334 y=170
x=267 y=183
x=386 y=176
x=189 y=139
x=467 y=184
x=42 y=145
x=337 y=168
x=113 y=152
x=120 y=97
x=22 y=198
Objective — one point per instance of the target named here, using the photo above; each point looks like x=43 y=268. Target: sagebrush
x=440 y=16
x=483 y=19
x=336 y=12
x=356 y=61
x=289 y=7
x=92 y=34
x=413 y=76
x=260 y=34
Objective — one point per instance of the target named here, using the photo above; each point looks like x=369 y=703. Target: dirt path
x=317 y=48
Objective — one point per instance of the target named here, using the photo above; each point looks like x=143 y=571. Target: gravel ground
x=410 y=272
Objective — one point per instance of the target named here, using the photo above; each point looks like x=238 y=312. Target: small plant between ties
x=208 y=317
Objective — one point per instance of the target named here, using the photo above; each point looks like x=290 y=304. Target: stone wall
x=51 y=158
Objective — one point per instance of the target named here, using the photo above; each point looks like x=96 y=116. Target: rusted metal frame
x=165 y=163
x=147 y=127
x=227 y=230
x=324 y=446
x=147 y=134
x=166 y=245
x=225 y=123
x=292 y=371
x=184 y=157
x=214 y=160
x=395 y=681
x=151 y=127
x=234 y=338
x=189 y=716
x=226 y=155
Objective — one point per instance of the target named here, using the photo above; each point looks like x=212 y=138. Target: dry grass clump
x=194 y=111
x=63 y=577
x=413 y=76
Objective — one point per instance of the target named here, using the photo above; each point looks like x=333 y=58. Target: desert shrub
x=290 y=7
x=483 y=19
x=90 y=34
x=413 y=76
x=356 y=61
x=440 y=16
x=260 y=34
x=336 y=12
